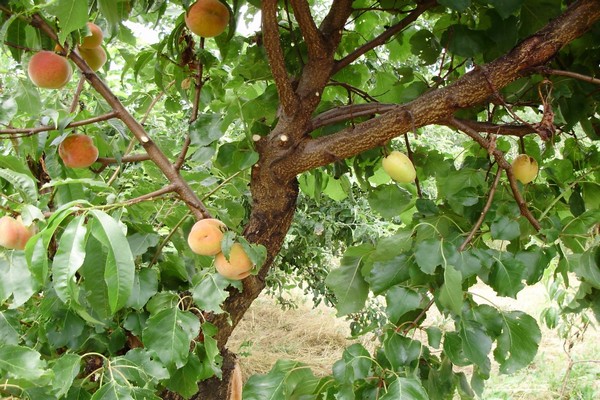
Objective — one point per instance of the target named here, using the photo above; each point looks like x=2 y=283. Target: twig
x=384 y=37
x=154 y=101
x=152 y=195
x=184 y=149
x=484 y=212
x=574 y=75
x=74 y=124
x=410 y=153
x=77 y=94
x=198 y=86
x=125 y=159
x=499 y=156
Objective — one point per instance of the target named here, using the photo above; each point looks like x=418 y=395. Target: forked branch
x=312 y=36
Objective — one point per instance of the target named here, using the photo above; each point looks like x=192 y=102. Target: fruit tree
x=125 y=122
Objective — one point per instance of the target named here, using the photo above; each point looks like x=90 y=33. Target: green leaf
x=286 y=380
x=145 y=285
x=184 y=380
x=476 y=344
x=518 y=343
x=206 y=129
x=505 y=228
x=458 y=5
x=429 y=255
x=210 y=292
x=387 y=273
x=120 y=269
x=425 y=45
x=389 y=200
x=113 y=391
x=65 y=369
x=405 y=389
x=28 y=98
x=402 y=352
x=462 y=41
x=169 y=333
x=139 y=243
x=72 y=15
x=21 y=362
x=22 y=183
x=140 y=367
x=355 y=364
x=16 y=279
x=401 y=300
x=576 y=231
x=451 y=293
x=69 y=258
x=506 y=275
x=347 y=282
x=588 y=267
x=506 y=7
x=9 y=327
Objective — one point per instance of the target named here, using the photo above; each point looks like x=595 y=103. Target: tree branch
x=437 y=106
x=344 y=113
x=385 y=36
x=312 y=36
x=74 y=124
x=504 y=129
x=125 y=159
x=270 y=29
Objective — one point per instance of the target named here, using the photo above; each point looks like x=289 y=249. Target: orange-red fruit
x=207 y=18
x=78 y=151
x=94 y=39
x=48 y=70
x=239 y=265
x=13 y=234
x=94 y=57
x=206 y=235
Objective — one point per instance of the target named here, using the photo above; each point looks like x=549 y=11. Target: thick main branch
x=439 y=105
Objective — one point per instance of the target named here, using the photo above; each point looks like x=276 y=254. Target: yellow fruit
x=94 y=39
x=525 y=168
x=207 y=18
x=94 y=57
x=399 y=167
x=206 y=235
x=239 y=265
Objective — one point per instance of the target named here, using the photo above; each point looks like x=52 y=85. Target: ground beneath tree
x=316 y=337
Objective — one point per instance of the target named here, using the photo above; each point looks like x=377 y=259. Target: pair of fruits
x=49 y=70
x=399 y=167
x=205 y=239
x=13 y=233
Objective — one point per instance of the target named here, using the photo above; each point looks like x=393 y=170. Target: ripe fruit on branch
x=206 y=235
x=78 y=151
x=525 y=168
x=95 y=38
x=13 y=233
x=399 y=167
x=48 y=70
x=207 y=18
x=239 y=265
x=95 y=57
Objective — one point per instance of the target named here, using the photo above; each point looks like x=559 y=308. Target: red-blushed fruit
x=206 y=235
x=48 y=70
x=78 y=151
x=207 y=18
x=94 y=57
x=94 y=39
x=13 y=234
x=525 y=168
x=237 y=267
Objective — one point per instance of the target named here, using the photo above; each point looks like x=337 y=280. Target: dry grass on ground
x=316 y=337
